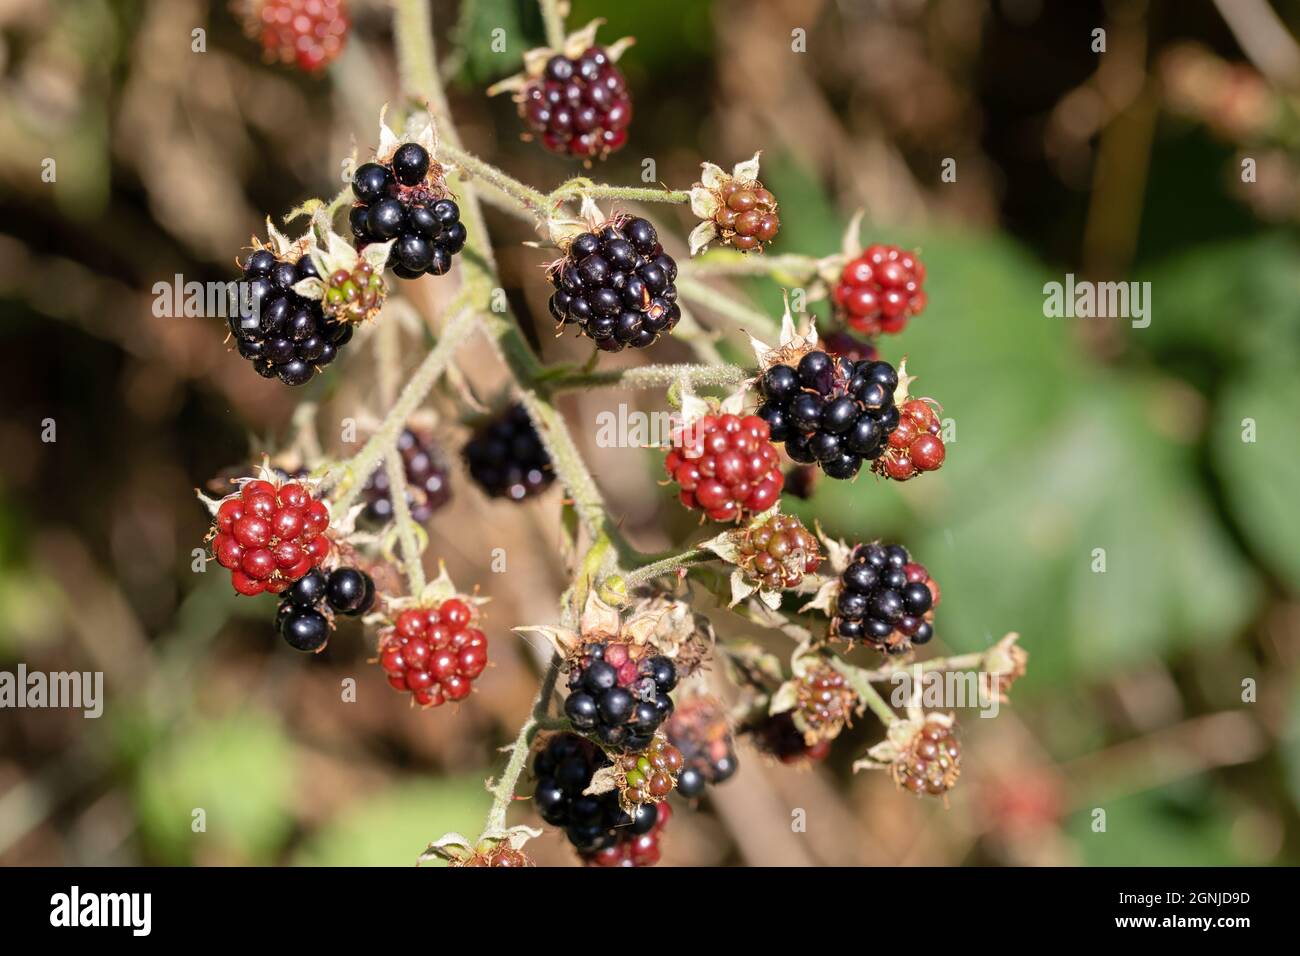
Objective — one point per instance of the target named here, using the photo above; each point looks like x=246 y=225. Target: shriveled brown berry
x=826 y=703
x=932 y=762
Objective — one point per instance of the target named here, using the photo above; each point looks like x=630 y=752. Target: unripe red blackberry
x=726 y=466
x=579 y=106
x=880 y=290
x=404 y=198
x=915 y=445
x=284 y=335
x=506 y=458
x=699 y=728
x=931 y=763
x=434 y=653
x=885 y=599
x=746 y=216
x=270 y=535
x=825 y=702
x=618 y=694
x=776 y=554
x=616 y=285
x=427 y=482
x=830 y=410
x=593 y=823
x=650 y=775
x=305 y=33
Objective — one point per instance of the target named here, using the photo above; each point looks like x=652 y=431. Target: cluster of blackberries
x=831 y=410
x=427 y=487
x=284 y=335
x=507 y=459
x=301 y=620
x=885 y=599
x=396 y=201
x=616 y=699
x=700 y=730
x=591 y=822
x=579 y=107
x=616 y=285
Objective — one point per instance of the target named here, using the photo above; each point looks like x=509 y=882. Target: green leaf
x=1175 y=826
x=394 y=827
x=238 y=770
x=1256 y=452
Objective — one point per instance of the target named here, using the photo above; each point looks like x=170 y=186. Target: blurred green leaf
x=1261 y=476
x=1158 y=828
x=394 y=827
x=238 y=770
x=474 y=37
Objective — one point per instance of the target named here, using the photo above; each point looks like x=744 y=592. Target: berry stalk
x=412 y=563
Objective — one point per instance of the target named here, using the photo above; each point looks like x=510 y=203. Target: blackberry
x=825 y=703
x=776 y=554
x=268 y=535
x=931 y=763
x=506 y=458
x=435 y=653
x=726 y=466
x=427 y=487
x=649 y=776
x=307 y=605
x=405 y=200
x=284 y=335
x=880 y=290
x=915 y=446
x=616 y=285
x=578 y=107
x=307 y=33
x=885 y=599
x=746 y=216
x=845 y=343
x=700 y=730
x=777 y=736
x=617 y=699
x=592 y=823
x=830 y=410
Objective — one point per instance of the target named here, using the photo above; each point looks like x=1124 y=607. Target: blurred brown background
x=1072 y=434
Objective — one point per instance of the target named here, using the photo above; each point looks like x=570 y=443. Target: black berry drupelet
x=700 y=730
x=830 y=410
x=301 y=617
x=578 y=107
x=507 y=459
x=616 y=285
x=284 y=335
x=405 y=200
x=427 y=487
x=616 y=699
x=592 y=823
x=885 y=599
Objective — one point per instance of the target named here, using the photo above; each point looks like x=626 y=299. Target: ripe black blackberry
x=616 y=285
x=885 y=599
x=700 y=730
x=564 y=769
x=831 y=410
x=506 y=458
x=302 y=618
x=284 y=335
x=617 y=699
x=427 y=487
x=405 y=199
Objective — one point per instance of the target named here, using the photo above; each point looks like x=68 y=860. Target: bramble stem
x=743 y=316
x=618 y=587
x=857 y=679
x=406 y=528
x=553 y=22
x=531 y=203
x=503 y=790
x=727 y=263
x=644 y=376
x=577 y=188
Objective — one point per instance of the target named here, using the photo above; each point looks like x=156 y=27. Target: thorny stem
x=577 y=188
x=623 y=585
x=536 y=205
x=503 y=790
x=645 y=376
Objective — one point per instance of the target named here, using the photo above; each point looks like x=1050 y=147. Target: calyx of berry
x=733 y=546
x=1005 y=663
x=350 y=286
x=574 y=45
x=791 y=346
x=437 y=591
x=423 y=134
x=655 y=626
x=459 y=851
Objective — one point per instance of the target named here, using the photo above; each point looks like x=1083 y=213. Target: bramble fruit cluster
x=830 y=410
x=700 y=730
x=354 y=295
x=880 y=290
x=915 y=445
x=306 y=33
x=777 y=736
x=746 y=216
x=269 y=536
x=649 y=776
x=284 y=335
x=825 y=702
x=578 y=107
x=615 y=697
x=632 y=848
x=405 y=200
x=500 y=855
x=616 y=284
x=506 y=458
x=885 y=599
x=777 y=553
x=434 y=653
x=593 y=823
x=302 y=619
x=849 y=346
x=726 y=466
x=932 y=762
x=427 y=487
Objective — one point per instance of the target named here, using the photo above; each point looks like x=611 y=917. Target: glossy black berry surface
x=617 y=701
x=506 y=458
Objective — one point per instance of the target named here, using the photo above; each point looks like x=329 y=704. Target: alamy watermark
x=77 y=690
x=945 y=690
x=1084 y=299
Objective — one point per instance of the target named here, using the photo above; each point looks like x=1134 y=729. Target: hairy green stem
x=645 y=376
x=532 y=203
x=743 y=316
x=412 y=563
x=868 y=694
x=619 y=587
x=734 y=264
x=503 y=790
x=577 y=188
